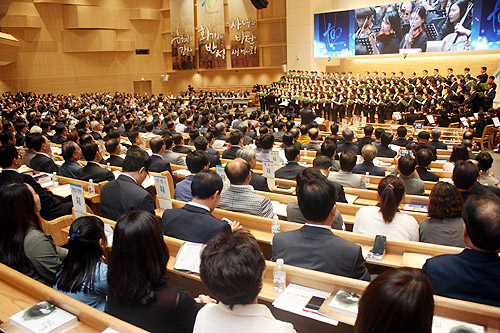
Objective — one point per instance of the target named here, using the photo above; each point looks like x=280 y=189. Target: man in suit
x=345 y=177
x=465 y=178
x=292 y=168
x=306 y=114
x=483 y=77
x=196 y=161
x=369 y=152
x=179 y=144
x=194 y=222
x=423 y=139
x=368 y=130
x=158 y=164
x=10 y=161
x=113 y=147
x=473 y=274
x=125 y=194
x=236 y=141
x=42 y=161
x=61 y=134
x=169 y=155
x=383 y=148
x=436 y=134
x=29 y=152
x=278 y=136
x=401 y=140
x=348 y=136
x=258 y=182
x=136 y=141
x=240 y=196
x=313 y=144
x=21 y=130
x=315 y=246
x=406 y=169
x=71 y=153
x=96 y=130
x=201 y=144
x=93 y=170
x=424 y=158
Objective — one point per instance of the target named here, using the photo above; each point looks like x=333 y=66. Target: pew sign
x=243 y=33
x=268 y=172
x=221 y=171
x=211 y=34
x=163 y=192
x=78 y=200
x=182 y=25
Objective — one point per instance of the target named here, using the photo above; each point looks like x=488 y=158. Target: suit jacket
x=96 y=173
x=312 y=145
x=212 y=151
x=173 y=158
x=27 y=157
x=321 y=250
x=158 y=164
x=181 y=149
x=70 y=169
x=364 y=141
x=348 y=146
x=369 y=167
x=259 y=182
x=384 y=151
x=58 y=139
x=96 y=135
x=122 y=196
x=400 y=142
x=293 y=214
x=192 y=224
x=437 y=144
x=307 y=116
x=51 y=207
x=289 y=171
x=470 y=275
x=20 y=138
x=213 y=160
x=231 y=152
x=115 y=160
x=426 y=175
x=347 y=179
x=183 y=189
x=43 y=163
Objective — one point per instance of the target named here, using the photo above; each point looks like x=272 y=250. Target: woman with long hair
x=83 y=274
x=459 y=153
x=457 y=30
x=23 y=244
x=389 y=37
x=137 y=284
x=385 y=218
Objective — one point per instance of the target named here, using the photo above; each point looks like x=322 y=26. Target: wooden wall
x=71 y=46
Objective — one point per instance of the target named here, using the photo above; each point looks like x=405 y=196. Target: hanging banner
x=211 y=34
x=182 y=25
x=243 y=34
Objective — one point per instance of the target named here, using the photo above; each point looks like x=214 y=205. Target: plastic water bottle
x=91 y=187
x=109 y=166
x=276 y=226
x=367 y=179
x=279 y=276
x=55 y=181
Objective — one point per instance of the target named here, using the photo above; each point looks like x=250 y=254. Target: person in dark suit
x=236 y=141
x=436 y=134
x=367 y=139
x=194 y=222
x=71 y=153
x=42 y=161
x=369 y=152
x=21 y=130
x=135 y=140
x=348 y=136
x=158 y=164
x=96 y=130
x=10 y=161
x=258 y=182
x=114 y=150
x=383 y=148
x=93 y=170
x=125 y=194
x=401 y=140
x=292 y=168
x=313 y=144
x=465 y=178
x=61 y=134
x=201 y=143
x=424 y=158
x=473 y=274
x=306 y=114
x=178 y=144
x=315 y=246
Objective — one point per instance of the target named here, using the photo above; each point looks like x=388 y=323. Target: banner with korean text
x=211 y=34
x=182 y=25
x=243 y=34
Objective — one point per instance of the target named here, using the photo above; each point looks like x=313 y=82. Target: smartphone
x=404 y=152
x=314 y=303
x=419 y=126
x=379 y=245
x=284 y=187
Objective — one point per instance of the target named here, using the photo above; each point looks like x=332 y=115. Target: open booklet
x=188 y=257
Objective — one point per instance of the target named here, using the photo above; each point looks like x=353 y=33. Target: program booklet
x=188 y=257
x=43 y=318
x=345 y=303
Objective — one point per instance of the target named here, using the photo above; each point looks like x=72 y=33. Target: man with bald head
x=313 y=144
x=240 y=196
x=369 y=152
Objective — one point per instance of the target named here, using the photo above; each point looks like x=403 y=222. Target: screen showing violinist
x=421 y=26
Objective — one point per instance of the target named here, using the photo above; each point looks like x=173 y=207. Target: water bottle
x=55 y=181
x=91 y=187
x=279 y=276
x=367 y=179
x=275 y=227
x=109 y=166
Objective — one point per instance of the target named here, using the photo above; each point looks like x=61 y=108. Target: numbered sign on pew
x=363 y=121
x=78 y=200
x=268 y=172
x=275 y=157
x=163 y=192
x=222 y=173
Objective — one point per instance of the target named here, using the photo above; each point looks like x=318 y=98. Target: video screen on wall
x=409 y=27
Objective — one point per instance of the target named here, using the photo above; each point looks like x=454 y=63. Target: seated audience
x=459 y=153
x=61 y=134
x=83 y=274
x=93 y=170
x=367 y=139
x=236 y=141
x=169 y=156
x=135 y=139
x=329 y=149
x=401 y=140
x=313 y=144
x=71 y=168
x=113 y=147
x=125 y=194
x=258 y=182
x=485 y=162
x=383 y=148
x=436 y=134
x=137 y=284
x=158 y=164
x=29 y=152
x=406 y=169
x=42 y=161
x=465 y=178
x=345 y=177
x=386 y=219
x=179 y=144
x=369 y=152
x=201 y=144
x=24 y=246
x=322 y=163
x=194 y=222
x=292 y=168
x=348 y=136
x=267 y=143
x=445 y=225
x=423 y=139
x=232 y=267
x=473 y=274
x=196 y=161
x=315 y=246
x=404 y=303
x=424 y=158
x=240 y=196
